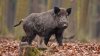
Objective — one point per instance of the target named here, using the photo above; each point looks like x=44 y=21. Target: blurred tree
x=82 y=18
x=66 y=3
x=49 y=4
x=1 y=16
x=3 y=28
x=34 y=6
x=98 y=19
x=43 y=5
x=22 y=9
x=92 y=6
x=10 y=14
x=56 y=3
x=94 y=18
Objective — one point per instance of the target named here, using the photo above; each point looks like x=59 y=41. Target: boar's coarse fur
x=46 y=24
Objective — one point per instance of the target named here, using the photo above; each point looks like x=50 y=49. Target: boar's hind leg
x=24 y=39
x=59 y=36
x=28 y=38
x=30 y=33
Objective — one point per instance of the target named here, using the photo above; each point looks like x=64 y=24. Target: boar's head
x=61 y=15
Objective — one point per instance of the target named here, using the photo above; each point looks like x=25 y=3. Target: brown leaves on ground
x=9 y=47
x=75 y=49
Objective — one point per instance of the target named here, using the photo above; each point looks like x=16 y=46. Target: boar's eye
x=56 y=10
x=69 y=11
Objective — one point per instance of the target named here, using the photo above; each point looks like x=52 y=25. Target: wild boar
x=45 y=24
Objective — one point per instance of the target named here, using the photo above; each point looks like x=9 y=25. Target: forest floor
x=10 y=47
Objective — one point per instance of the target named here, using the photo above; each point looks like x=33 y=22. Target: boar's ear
x=69 y=11
x=56 y=10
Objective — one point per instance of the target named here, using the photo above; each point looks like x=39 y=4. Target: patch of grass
x=33 y=52
x=29 y=51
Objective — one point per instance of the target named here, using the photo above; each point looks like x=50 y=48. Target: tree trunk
x=34 y=6
x=71 y=30
x=49 y=6
x=10 y=14
x=98 y=19
x=82 y=19
x=94 y=18
x=56 y=3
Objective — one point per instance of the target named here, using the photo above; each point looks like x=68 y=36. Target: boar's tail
x=19 y=23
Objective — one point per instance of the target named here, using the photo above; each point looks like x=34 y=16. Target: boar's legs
x=30 y=33
x=24 y=39
x=59 y=36
x=46 y=39
x=28 y=38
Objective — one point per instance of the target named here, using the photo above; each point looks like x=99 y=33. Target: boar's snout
x=65 y=25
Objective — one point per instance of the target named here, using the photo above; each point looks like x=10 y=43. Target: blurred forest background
x=84 y=22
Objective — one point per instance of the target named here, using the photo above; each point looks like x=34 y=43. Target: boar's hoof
x=23 y=43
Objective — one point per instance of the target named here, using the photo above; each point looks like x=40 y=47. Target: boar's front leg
x=46 y=38
x=59 y=36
